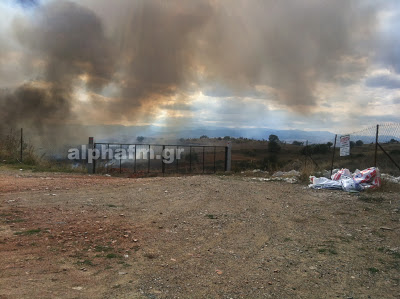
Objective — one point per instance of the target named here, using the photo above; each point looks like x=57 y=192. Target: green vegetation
x=85 y=262
x=99 y=248
x=370 y=198
x=373 y=270
x=28 y=232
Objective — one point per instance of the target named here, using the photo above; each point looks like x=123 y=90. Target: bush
x=315 y=149
x=10 y=149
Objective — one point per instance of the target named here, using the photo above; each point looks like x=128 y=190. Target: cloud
x=133 y=57
x=385 y=81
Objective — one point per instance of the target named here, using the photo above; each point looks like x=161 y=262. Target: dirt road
x=79 y=236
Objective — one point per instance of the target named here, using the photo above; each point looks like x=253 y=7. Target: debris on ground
x=291 y=177
x=343 y=179
x=291 y=180
x=390 y=178
x=292 y=173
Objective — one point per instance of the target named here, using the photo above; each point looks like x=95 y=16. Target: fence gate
x=157 y=158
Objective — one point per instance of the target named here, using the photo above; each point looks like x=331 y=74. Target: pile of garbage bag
x=343 y=179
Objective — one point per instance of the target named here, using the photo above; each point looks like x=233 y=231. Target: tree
x=359 y=143
x=274 y=147
x=393 y=141
x=273 y=144
x=203 y=137
x=140 y=138
x=329 y=144
x=227 y=138
x=273 y=138
x=352 y=144
x=298 y=143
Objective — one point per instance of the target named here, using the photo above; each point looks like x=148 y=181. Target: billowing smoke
x=65 y=41
x=129 y=56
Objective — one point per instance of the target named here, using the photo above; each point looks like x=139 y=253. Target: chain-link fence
x=373 y=146
x=364 y=152
x=247 y=154
x=377 y=146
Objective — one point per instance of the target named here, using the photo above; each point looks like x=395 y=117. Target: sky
x=304 y=64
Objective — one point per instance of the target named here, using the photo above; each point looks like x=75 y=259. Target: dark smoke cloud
x=175 y=46
x=66 y=40
x=152 y=50
x=289 y=47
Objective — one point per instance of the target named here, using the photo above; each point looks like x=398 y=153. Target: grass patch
x=328 y=248
x=211 y=216
x=111 y=206
x=18 y=220
x=28 y=232
x=99 y=248
x=150 y=256
x=373 y=270
x=369 y=198
x=112 y=256
x=85 y=262
x=332 y=251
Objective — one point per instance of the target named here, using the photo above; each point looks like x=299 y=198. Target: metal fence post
x=215 y=149
x=90 y=166
x=148 y=165
x=177 y=160
x=162 y=160
x=376 y=145
x=134 y=161
x=204 y=158
x=190 y=160
x=228 y=156
x=22 y=143
x=333 y=154
x=305 y=153
x=120 y=159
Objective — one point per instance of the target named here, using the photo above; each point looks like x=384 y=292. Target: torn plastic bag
x=368 y=178
x=350 y=185
x=340 y=173
x=324 y=183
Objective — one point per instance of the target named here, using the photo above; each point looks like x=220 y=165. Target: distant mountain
x=129 y=134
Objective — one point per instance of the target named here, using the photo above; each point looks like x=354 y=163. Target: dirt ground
x=80 y=236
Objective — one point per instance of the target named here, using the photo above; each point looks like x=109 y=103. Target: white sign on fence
x=344 y=145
